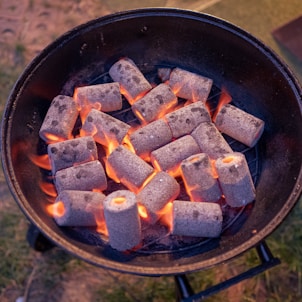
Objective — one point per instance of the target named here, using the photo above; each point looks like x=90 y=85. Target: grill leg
x=37 y=240
x=267 y=261
x=183 y=287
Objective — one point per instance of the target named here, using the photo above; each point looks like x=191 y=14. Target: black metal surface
x=257 y=80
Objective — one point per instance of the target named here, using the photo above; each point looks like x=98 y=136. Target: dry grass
x=57 y=276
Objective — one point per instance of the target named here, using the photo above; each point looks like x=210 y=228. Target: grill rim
x=9 y=171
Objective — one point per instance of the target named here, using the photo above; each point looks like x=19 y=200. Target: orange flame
x=42 y=161
x=166 y=215
x=56 y=209
x=48 y=188
x=129 y=98
x=110 y=171
x=142 y=211
x=52 y=138
x=224 y=99
x=100 y=222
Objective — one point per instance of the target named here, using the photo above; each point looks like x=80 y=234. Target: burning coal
x=178 y=147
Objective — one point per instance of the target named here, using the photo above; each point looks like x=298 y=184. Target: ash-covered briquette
x=183 y=121
x=65 y=154
x=84 y=177
x=105 y=97
x=189 y=85
x=132 y=81
x=122 y=220
x=199 y=178
x=81 y=208
x=169 y=157
x=128 y=168
x=154 y=104
x=239 y=125
x=210 y=140
x=104 y=128
x=164 y=73
x=196 y=219
x=160 y=190
x=150 y=137
x=60 y=119
x=235 y=179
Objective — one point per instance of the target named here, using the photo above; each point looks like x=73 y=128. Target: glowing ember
x=56 y=209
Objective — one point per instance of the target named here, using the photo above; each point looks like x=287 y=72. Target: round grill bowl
x=257 y=79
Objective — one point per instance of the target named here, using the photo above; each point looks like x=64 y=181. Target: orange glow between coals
x=42 y=161
x=129 y=98
x=225 y=98
x=166 y=215
x=56 y=209
x=142 y=211
x=214 y=170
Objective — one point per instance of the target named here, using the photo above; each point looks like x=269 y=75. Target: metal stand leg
x=186 y=293
x=37 y=240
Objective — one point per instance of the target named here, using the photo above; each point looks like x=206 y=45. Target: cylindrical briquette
x=65 y=154
x=183 y=121
x=105 y=97
x=122 y=220
x=128 y=167
x=84 y=177
x=81 y=208
x=131 y=79
x=169 y=157
x=189 y=85
x=200 y=181
x=59 y=120
x=197 y=219
x=235 y=179
x=154 y=104
x=104 y=128
x=239 y=125
x=210 y=140
x=150 y=137
x=160 y=190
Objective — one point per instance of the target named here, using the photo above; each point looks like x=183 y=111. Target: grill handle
x=186 y=294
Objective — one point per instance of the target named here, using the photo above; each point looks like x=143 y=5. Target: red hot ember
x=78 y=208
x=128 y=168
x=71 y=152
x=183 y=121
x=105 y=97
x=160 y=190
x=239 y=125
x=104 y=128
x=169 y=157
x=84 y=177
x=122 y=220
x=197 y=219
x=133 y=83
x=190 y=86
x=210 y=140
x=154 y=104
x=235 y=179
x=59 y=120
x=199 y=178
